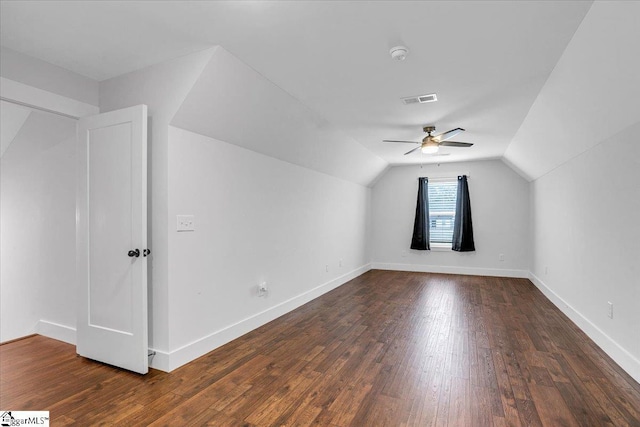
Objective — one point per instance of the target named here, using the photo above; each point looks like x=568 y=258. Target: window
x=442 y=209
x=447 y=223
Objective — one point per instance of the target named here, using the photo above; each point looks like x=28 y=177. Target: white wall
x=162 y=88
x=37 y=219
x=586 y=243
x=182 y=323
x=579 y=143
x=500 y=213
x=257 y=219
x=37 y=265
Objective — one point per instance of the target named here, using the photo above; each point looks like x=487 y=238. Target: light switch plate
x=186 y=223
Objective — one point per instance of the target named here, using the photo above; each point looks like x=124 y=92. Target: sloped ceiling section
x=593 y=92
x=233 y=103
x=12 y=118
x=162 y=86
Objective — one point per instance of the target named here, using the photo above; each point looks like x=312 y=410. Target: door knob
x=134 y=253
x=146 y=252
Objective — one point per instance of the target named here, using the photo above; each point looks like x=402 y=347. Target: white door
x=111 y=221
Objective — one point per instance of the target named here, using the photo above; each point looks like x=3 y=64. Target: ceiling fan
x=431 y=144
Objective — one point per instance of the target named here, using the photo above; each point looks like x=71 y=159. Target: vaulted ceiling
x=487 y=61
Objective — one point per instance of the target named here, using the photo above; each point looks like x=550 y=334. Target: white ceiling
x=487 y=61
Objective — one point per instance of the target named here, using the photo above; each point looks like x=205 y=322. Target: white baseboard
x=470 y=271
x=56 y=331
x=618 y=353
x=168 y=361
x=160 y=360
x=68 y=334
x=202 y=346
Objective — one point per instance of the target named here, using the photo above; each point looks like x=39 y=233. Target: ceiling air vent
x=420 y=99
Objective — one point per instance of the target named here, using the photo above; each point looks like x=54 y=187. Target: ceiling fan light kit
x=430 y=148
x=399 y=53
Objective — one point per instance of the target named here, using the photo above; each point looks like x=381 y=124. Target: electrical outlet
x=546 y=270
x=326 y=268
x=610 y=313
x=340 y=263
x=262 y=289
x=501 y=257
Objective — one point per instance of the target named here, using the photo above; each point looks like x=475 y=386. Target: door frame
x=15 y=92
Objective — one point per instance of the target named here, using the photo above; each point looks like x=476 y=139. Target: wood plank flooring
x=386 y=349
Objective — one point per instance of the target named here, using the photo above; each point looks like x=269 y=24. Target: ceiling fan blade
x=409 y=152
x=455 y=144
x=404 y=142
x=448 y=134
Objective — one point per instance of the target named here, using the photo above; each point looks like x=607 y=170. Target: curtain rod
x=445 y=177
x=35 y=107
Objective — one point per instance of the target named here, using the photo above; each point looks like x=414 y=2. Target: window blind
x=442 y=210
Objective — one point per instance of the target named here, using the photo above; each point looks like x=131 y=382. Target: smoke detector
x=399 y=53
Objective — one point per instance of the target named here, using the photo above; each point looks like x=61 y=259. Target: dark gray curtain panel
x=420 y=239
x=462 y=226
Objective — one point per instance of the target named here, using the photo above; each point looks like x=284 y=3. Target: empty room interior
x=340 y=213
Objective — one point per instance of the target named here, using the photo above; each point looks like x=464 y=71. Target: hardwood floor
x=387 y=348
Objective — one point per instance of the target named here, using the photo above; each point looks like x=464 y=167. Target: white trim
x=56 y=331
x=168 y=361
x=68 y=334
x=160 y=360
x=619 y=354
x=27 y=95
x=446 y=269
x=440 y=247
x=192 y=351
